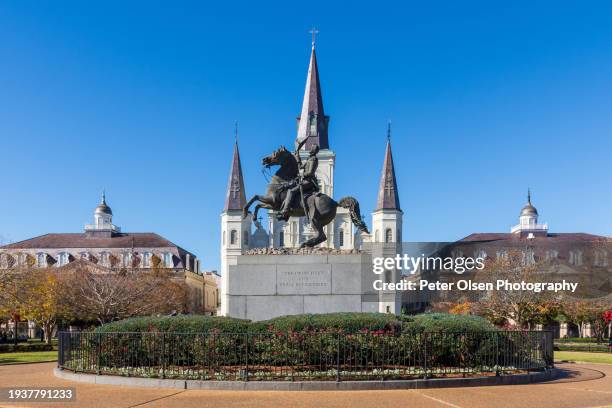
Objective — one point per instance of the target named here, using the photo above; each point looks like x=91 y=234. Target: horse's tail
x=353 y=207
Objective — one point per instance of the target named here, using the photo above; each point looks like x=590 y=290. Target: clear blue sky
x=140 y=98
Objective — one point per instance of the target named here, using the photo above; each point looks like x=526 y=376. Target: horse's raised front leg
x=245 y=210
x=317 y=239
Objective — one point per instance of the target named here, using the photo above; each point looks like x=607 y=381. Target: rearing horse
x=321 y=207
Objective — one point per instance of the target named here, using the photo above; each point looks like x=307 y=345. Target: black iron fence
x=305 y=356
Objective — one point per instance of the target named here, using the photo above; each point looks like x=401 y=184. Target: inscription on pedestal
x=303 y=282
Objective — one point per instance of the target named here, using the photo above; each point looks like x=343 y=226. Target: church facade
x=240 y=234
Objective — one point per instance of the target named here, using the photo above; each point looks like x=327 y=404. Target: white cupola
x=528 y=221
x=103 y=220
x=103 y=215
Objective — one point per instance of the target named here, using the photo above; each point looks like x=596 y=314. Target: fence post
x=425 y=335
x=60 y=354
x=163 y=357
x=338 y=360
x=246 y=372
x=497 y=373
x=98 y=351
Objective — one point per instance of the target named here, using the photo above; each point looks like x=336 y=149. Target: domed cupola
x=103 y=221
x=528 y=221
x=103 y=208
x=529 y=210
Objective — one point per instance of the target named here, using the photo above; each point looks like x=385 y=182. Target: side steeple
x=388 y=195
x=235 y=229
x=235 y=197
x=312 y=122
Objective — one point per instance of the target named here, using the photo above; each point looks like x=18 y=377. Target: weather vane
x=314 y=33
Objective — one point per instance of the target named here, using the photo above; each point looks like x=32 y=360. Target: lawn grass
x=584 y=357
x=27 y=357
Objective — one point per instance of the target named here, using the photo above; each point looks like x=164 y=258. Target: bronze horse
x=321 y=207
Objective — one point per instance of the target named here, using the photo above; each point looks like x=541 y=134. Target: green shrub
x=178 y=324
x=344 y=322
x=588 y=347
x=329 y=322
x=25 y=347
x=444 y=322
x=577 y=340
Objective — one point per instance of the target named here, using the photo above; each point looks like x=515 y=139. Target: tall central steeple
x=235 y=198
x=312 y=122
x=388 y=196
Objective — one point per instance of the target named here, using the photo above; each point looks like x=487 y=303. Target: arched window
x=480 y=253
x=233 y=237
x=41 y=259
x=502 y=254
x=575 y=257
x=341 y=237
x=168 y=260
x=62 y=259
x=529 y=257
x=313 y=124
x=127 y=260
x=245 y=237
x=389 y=235
x=601 y=258
x=377 y=236
x=223 y=237
x=552 y=254
x=281 y=239
x=146 y=260
x=398 y=235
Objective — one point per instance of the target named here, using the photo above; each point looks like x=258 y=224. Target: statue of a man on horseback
x=305 y=183
x=288 y=182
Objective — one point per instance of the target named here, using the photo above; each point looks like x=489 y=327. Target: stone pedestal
x=260 y=287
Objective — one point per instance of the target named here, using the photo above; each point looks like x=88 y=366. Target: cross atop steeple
x=389 y=131
x=314 y=33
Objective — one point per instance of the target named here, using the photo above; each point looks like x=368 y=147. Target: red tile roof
x=81 y=240
x=558 y=237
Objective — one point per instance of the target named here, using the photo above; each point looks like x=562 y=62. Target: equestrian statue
x=294 y=191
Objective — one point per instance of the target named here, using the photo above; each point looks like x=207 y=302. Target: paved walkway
x=584 y=385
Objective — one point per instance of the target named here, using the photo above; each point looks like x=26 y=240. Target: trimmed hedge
x=25 y=347
x=345 y=322
x=577 y=340
x=330 y=322
x=588 y=347
x=178 y=324
x=444 y=322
